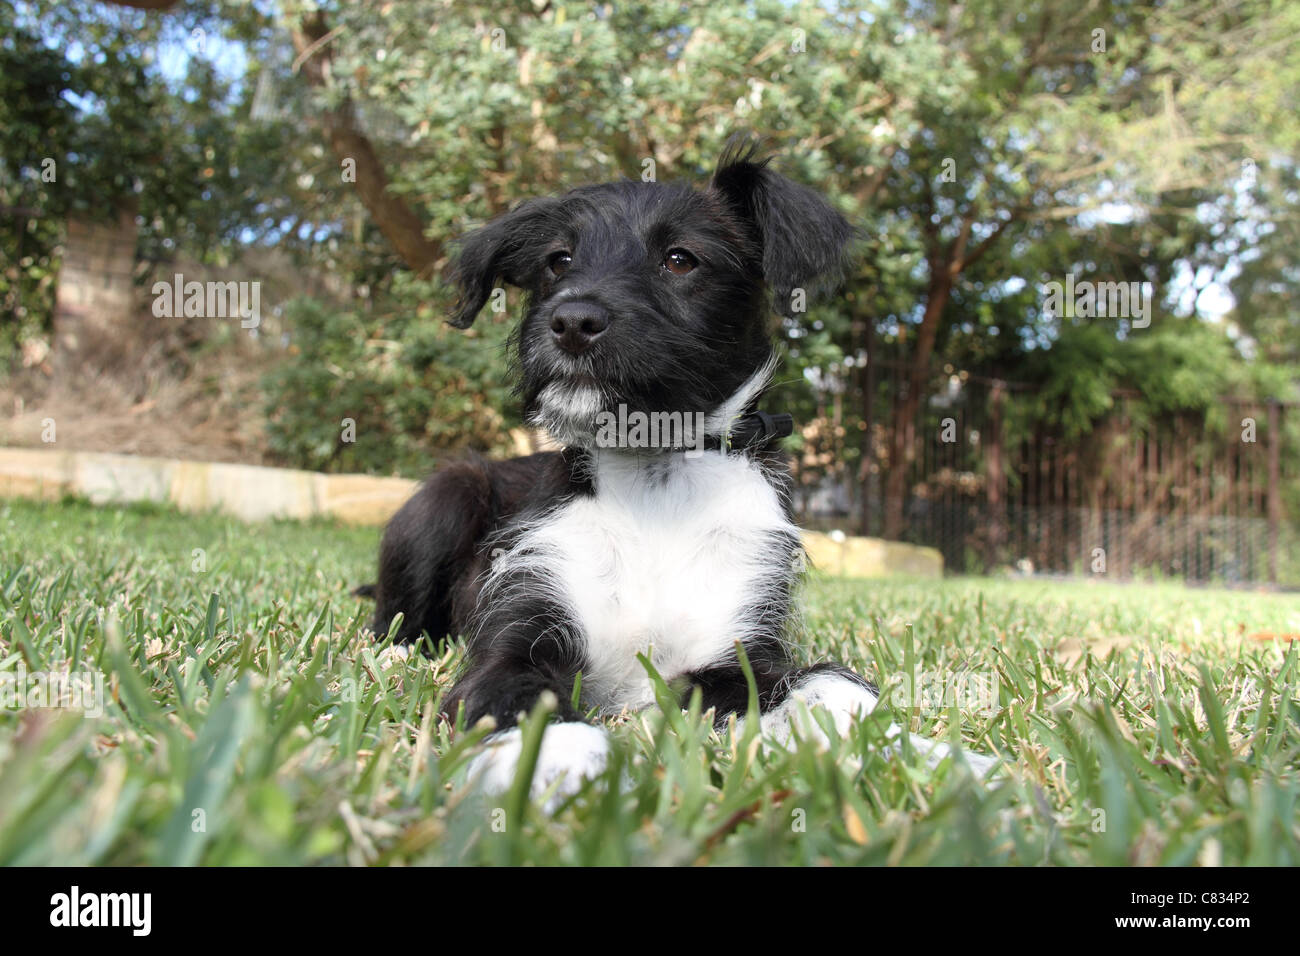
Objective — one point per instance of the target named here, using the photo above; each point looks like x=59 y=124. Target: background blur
x=329 y=152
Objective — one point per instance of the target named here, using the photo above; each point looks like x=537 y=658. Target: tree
x=983 y=150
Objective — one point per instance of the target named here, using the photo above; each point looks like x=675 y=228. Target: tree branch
x=398 y=222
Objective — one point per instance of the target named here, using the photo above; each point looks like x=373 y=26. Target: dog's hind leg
x=433 y=553
x=428 y=547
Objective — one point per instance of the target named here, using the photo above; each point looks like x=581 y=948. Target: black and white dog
x=643 y=300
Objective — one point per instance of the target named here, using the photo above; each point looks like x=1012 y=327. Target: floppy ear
x=805 y=241
x=506 y=248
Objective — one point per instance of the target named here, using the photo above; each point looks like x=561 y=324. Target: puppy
x=645 y=302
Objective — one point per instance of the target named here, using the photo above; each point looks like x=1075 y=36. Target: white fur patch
x=568 y=412
x=847 y=701
x=671 y=560
x=570 y=753
x=843 y=699
x=720 y=420
x=394 y=653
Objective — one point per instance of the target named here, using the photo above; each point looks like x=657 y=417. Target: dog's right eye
x=679 y=262
x=559 y=263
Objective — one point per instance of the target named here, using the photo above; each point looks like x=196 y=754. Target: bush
x=392 y=394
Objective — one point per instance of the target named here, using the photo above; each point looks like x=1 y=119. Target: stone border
x=852 y=557
x=256 y=493
x=249 y=492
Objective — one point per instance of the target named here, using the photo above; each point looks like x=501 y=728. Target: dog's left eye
x=679 y=262
x=559 y=263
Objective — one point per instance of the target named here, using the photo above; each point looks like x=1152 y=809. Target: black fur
x=680 y=341
x=436 y=548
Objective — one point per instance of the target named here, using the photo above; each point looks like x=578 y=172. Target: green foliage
x=412 y=389
x=105 y=107
x=1135 y=723
x=33 y=114
x=1177 y=365
x=1025 y=143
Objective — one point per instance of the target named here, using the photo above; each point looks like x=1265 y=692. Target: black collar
x=755 y=430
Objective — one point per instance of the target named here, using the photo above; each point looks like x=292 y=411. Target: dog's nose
x=577 y=324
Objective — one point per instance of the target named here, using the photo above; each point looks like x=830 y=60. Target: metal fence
x=1204 y=497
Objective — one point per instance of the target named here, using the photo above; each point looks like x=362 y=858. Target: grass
x=250 y=718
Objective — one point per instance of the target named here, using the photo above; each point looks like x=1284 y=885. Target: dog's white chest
x=670 y=564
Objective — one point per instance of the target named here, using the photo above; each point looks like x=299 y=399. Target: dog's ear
x=805 y=241
x=507 y=248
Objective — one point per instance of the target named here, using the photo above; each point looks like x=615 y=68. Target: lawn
x=249 y=717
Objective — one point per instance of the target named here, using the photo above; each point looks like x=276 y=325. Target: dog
x=561 y=568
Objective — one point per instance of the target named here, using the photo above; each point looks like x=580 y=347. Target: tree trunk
x=907 y=407
x=398 y=222
x=867 y=385
x=995 y=478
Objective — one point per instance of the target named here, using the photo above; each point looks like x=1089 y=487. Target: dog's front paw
x=847 y=701
x=571 y=753
x=934 y=752
x=982 y=765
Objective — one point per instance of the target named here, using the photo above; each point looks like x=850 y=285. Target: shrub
x=389 y=395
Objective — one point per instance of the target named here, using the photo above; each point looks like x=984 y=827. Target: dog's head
x=655 y=297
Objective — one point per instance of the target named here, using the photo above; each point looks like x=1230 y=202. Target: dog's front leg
x=508 y=675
